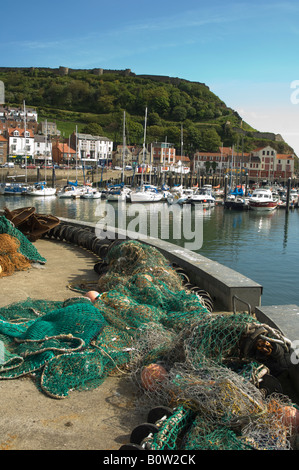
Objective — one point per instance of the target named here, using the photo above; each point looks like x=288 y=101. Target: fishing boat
x=204 y=197
x=41 y=189
x=262 y=200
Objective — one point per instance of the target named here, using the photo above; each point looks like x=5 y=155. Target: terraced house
x=261 y=163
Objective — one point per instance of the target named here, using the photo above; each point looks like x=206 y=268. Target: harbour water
x=262 y=246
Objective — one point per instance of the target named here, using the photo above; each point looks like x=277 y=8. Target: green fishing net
x=145 y=314
x=26 y=248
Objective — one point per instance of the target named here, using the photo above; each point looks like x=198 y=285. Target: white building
x=92 y=149
x=42 y=150
x=20 y=143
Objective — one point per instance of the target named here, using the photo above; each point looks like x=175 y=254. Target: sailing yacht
x=120 y=192
x=146 y=192
x=91 y=193
x=41 y=189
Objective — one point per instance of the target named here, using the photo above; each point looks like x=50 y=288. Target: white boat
x=293 y=197
x=146 y=193
x=71 y=190
x=91 y=193
x=262 y=200
x=41 y=189
x=179 y=195
x=203 y=196
x=118 y=192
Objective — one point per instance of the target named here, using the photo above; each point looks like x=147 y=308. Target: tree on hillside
x=92 y=128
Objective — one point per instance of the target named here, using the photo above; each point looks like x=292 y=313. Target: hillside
x=95 y=99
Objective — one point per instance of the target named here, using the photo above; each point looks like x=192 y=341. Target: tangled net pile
x=145 y=315
x=16 y=252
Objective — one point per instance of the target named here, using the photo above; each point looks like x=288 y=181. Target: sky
x=246 y=52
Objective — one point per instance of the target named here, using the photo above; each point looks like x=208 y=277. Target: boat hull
x=260 y=206
x=41 y=193
x=146 y=197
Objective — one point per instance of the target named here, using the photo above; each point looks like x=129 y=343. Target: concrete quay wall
x=230 y=290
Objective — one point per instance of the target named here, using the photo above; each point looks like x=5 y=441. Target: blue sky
x=247 y=52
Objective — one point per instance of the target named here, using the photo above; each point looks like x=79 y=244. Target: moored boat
x=262 y=200
x=91 y=193
x=118 y=192
x=146 y=193
x=203 y=196
x=41 y=189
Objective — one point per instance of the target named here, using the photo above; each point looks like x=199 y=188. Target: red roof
x=20 y=131
x=64 y=148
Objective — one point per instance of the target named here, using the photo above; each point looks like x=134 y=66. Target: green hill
x=98 y=98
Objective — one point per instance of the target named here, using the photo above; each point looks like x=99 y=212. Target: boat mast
x=124 y=149
x=164 y=159
x=143 y=150
x=181 y=154
x=25 y=128
x=76 y=153
x=46 y=151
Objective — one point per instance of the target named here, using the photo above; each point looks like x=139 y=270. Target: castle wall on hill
x=100 y=71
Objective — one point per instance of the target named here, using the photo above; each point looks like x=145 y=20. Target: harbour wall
x=228 y=289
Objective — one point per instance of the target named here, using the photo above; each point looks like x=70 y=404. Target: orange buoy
x=290 y=416
x=153 y=375
x=92 y=295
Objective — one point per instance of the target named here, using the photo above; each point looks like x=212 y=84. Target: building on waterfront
x=163 y=154
x=131 y=155
x=92 y=149
x=42 y=150
x=259 y=164
x=270 y=165
x=20 y=145
x=63 y=154
x=213 y=162
x=3 y=149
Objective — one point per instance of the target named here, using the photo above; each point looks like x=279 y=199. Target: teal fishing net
x=145 y=315
x=26 y=248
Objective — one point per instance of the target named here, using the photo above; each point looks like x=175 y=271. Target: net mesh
x=10 y=259
x=26 y=248
x=144 y=315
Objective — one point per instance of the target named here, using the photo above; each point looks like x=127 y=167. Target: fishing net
x=10 y=259
x=214 y=366
x=26 y=248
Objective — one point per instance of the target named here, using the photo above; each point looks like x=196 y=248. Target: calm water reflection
x=263 y=247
